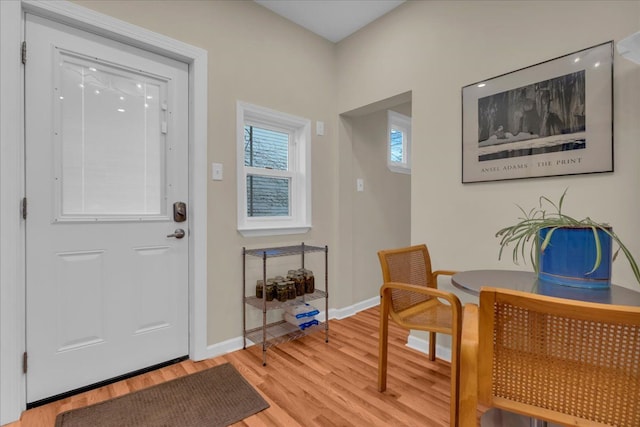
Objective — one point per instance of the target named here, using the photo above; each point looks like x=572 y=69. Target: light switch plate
x=216 y=171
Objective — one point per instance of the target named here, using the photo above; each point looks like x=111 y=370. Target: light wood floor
x=312 y=383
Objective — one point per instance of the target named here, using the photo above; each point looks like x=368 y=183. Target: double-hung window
x=399 y=142
x=274 y=179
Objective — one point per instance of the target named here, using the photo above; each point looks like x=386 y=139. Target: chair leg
x=455 y=381
x=382 y=345
x=432 y=346
x=468 y=375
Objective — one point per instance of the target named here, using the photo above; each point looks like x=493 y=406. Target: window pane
x=397 y=146
x=265 y=148
x=267 y=196
x=112 y=147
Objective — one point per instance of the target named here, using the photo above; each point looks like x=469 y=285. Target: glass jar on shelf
x=259 y=289
x=309 y=281
x=282 y=291
x=298 y=280
x=270 y=290
x=291 y=290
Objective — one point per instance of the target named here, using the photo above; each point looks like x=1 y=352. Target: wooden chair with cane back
x=557 y=360
x=410 y=296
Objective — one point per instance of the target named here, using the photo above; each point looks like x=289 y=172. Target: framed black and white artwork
x=552 y=118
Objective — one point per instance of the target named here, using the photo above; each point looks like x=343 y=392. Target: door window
x=110 y=140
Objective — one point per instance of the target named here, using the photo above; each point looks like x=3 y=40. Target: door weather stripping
x=24 y=208
x=24 y=52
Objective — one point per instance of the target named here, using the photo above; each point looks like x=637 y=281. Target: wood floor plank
x=310 y=382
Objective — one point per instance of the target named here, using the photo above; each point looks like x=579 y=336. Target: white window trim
x=300 y=154
x=403 y=123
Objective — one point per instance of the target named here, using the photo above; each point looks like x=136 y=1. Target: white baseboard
x=419 y=344
x=343 y=313
x=224 y=347
x=233 y=344
x=422 y=345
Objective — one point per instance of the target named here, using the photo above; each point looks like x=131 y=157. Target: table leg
x=537 y=423
x=495 y=417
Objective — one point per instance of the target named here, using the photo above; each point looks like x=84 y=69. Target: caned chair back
x=559 y=360
x=411 y=265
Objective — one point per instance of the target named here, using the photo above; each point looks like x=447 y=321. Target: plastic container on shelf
x=302 y=323
x=301 y=311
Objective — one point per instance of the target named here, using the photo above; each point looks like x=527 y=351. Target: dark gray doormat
x=217 y=396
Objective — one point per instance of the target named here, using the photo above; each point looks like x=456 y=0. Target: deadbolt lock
x=179 y=211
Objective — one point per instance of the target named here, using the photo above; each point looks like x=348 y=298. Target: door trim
x=12 y=260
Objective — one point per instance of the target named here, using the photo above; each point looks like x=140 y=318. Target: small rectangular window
x=397 y=152
x=399 y=142
x=274 y=177
x=269 y=150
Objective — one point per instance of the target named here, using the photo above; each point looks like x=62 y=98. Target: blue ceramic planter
x=570 y=256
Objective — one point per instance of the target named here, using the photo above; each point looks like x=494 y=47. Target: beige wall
x=257 y=57
x=434 y=48
x=431 y=48
x=382 y=212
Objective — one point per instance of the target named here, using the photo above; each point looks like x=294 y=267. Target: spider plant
x=549 y=215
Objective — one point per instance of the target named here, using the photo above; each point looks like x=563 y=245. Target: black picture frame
x=549 y=119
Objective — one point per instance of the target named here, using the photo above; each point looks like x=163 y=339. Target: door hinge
x=24 y=362
x=24 y=208
x=24 y=52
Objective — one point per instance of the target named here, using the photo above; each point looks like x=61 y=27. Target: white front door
x=106 y=159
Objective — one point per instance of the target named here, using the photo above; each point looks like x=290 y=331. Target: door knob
x=178 y=234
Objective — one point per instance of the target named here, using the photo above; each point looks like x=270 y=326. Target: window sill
x=272 y=231
x=399 y=169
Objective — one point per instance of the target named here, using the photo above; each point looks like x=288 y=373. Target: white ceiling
x=331 y=19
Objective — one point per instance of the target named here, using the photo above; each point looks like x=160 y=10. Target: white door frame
x=12 y=261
